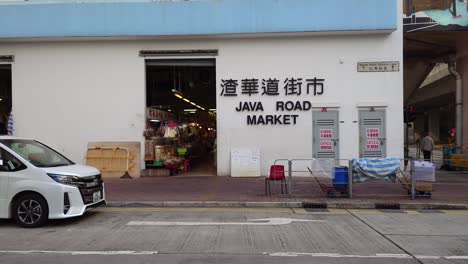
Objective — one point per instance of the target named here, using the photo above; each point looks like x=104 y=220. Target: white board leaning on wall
x=245 y=162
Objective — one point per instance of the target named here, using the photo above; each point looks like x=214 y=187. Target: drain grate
x=314 y=205
x=387 y=206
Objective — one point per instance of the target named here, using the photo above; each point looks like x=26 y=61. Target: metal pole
x=413 y=192
x=289 y=176
x=350 y=179
x=454 y=8
x=407 y=131
x=408 y=12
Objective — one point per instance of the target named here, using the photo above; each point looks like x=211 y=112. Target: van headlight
x=64 y=179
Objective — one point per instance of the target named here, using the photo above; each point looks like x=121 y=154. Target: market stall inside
x=180 y=118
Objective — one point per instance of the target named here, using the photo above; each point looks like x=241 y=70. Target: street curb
x=400 y=206
x=434 y=206
x=208 y=204
x=322 y=205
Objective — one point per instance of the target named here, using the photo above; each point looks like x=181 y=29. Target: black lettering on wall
x=251 y=120
x=279 y=106
x=295 y=118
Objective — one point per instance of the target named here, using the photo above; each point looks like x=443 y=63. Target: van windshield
x=37 y=153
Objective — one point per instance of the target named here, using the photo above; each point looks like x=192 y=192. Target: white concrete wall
x=70 y=93
x=307 y=58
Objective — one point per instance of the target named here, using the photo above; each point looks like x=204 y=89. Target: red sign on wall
x=326 y=133
x=326 y=145
x=373 y=144
x=373 y=132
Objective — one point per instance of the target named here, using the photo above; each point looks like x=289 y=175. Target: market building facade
x=275 y=79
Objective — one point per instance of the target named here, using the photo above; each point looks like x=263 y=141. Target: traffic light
x=410 y=114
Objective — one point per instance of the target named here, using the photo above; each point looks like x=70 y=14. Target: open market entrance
x=180 y=117
x=5 y=97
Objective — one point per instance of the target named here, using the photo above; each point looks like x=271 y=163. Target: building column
x=462 y=68
x=434 y=124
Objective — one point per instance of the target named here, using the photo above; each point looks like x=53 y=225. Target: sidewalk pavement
x=450 y=192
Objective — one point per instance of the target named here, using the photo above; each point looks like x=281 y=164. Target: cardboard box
x=459 y=160
x=423 y=5
x=423 y=186
x=149 y=149
x=159 y=152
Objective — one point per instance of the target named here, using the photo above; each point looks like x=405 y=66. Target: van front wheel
x=30 y=210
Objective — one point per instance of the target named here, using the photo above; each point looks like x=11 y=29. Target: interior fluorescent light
x=213 y=110
x=155 y=120
x=178 y=95
x=190 y=110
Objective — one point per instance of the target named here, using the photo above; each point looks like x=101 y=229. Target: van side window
x=9 y=162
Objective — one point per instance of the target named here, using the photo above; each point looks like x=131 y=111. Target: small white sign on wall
x=245 y=162
x=383 y=66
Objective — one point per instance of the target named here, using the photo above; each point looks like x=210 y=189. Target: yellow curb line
x=327 y=212
x=299 y=211
x=368 y=211
x=412 y=212
x=455 y=212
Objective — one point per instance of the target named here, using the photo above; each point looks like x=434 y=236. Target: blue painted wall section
x=196 y=17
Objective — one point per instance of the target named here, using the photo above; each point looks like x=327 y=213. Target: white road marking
x=275 y=254
x=456 y=257
x=337 y=255
x=53 y=252
x=263 y=222
x=427 y=257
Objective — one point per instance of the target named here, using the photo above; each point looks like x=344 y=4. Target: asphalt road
x=230 y=235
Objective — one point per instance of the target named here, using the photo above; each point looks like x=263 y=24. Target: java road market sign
x=271 y=87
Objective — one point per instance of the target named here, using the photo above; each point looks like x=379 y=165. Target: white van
x=37 y=183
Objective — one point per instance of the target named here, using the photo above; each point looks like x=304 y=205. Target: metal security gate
x=372 y=136
x=326 y=135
